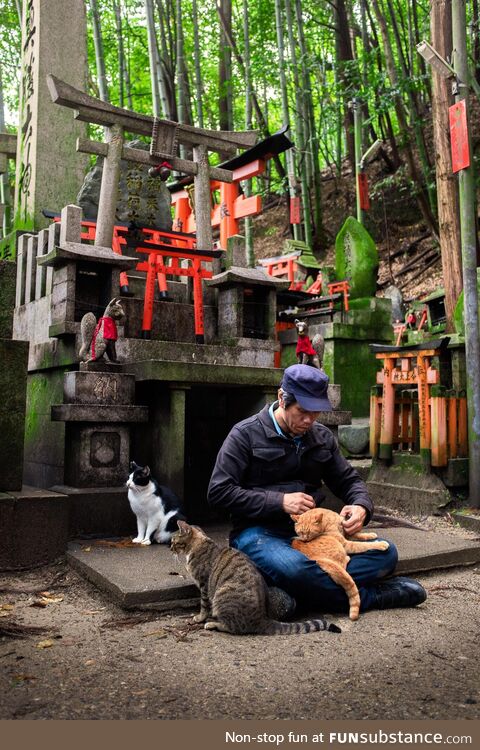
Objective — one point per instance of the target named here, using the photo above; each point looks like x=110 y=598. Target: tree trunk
x=198 y=70
x=262 y=120
x=344 y=54
x=153 y=57
x=99 y=56
x=311 y=141
x=248 y=124
x=415 y=116
x=225 y=98
x=166 y=53
x=180 y=66
x=447 y=187
x=121 y=53
x=300 y=122
x=289 y=155
x=476 y=41
x=416 y=176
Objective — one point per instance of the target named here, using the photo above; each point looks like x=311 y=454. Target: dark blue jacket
x=256 y=466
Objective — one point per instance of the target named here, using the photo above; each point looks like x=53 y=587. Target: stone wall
x=44 y=439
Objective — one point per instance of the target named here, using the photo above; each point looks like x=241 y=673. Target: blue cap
x=309 y=386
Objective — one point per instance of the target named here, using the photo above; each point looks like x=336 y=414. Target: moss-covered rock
x=356 y=259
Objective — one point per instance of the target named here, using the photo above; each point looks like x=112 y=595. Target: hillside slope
x=393 y=221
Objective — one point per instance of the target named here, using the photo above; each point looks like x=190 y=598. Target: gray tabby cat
x=233 y=594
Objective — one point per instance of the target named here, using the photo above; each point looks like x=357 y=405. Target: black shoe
x=398 y=592
x=280 y=605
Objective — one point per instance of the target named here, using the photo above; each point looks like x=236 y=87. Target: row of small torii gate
x=192 y=237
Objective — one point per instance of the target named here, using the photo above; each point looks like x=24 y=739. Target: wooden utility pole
x=466 y=185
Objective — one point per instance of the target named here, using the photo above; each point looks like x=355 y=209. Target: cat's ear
x=183 y=526
x=294 y=518
x=133 y=466
x=146 y=470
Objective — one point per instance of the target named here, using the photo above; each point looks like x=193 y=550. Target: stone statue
x=309 y=352
x=98 y=338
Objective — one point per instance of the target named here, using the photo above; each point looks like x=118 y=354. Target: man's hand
x=297 y=502
x=353 y=518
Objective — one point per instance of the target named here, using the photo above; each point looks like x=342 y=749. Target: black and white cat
x=156 y=507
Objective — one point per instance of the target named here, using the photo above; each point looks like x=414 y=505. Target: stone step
x=151 y=577
x=406 y=488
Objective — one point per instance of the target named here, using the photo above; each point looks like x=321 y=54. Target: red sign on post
x=459 y=136
x=295 y=210
x=363 y=191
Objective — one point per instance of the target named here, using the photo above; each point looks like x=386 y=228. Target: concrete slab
x=142 y=576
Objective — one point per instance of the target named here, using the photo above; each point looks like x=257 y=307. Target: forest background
x=241 y=64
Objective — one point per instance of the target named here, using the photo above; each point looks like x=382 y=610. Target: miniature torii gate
x=166 y=135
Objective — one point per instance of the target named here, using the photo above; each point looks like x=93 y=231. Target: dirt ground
x=96 y=661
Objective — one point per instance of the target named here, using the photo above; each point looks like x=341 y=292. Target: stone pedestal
x=98 y=410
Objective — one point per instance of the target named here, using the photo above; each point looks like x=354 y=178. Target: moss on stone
x=458 y=319
x=356 y=259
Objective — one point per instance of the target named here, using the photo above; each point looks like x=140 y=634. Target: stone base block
x=456 y=474
x=98 y=511
x=88 y=387
x=406 y=488
x=96 y=455
x=334 y=418
x=469 y=518
x=34 y=528
x=13 y=384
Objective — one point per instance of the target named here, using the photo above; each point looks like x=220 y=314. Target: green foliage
x=331 y=82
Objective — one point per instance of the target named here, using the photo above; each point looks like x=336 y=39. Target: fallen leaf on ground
x=23 y=677
x=126 y=542
x=140 y=692
x=45 y=644
x=45 y=598
x=94 y=611
x=89 y=662
x=158 y=633
x=5 y=609
x=86 y=549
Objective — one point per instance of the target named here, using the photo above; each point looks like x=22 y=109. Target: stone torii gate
x=166 y=135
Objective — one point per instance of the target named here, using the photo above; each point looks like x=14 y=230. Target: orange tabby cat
x=320 y=537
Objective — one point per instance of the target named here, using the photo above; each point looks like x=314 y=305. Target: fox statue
x=98 y=338
x=309 y=352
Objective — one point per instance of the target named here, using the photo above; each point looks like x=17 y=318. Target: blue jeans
x=310 y=586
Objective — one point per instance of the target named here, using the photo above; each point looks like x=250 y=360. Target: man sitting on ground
x=272 y=465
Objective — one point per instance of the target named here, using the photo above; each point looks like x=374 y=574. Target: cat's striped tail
x=273 y=627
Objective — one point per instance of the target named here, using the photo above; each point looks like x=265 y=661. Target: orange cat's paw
x=383 y=545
